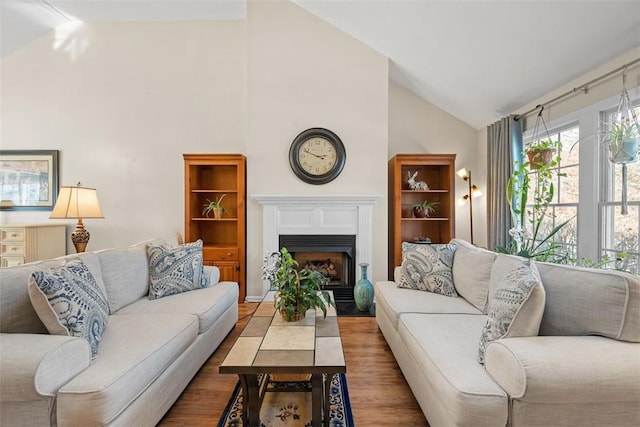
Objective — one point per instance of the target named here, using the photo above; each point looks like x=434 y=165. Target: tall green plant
x=520 y=185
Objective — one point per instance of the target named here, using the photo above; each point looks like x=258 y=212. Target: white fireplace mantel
x=350 y=214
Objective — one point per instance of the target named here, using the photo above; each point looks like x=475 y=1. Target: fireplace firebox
x=332 y=255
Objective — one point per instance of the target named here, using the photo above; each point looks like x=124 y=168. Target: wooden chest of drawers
x=26 y=243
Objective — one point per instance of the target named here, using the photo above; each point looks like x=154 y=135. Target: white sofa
x=583 y=369
x=149 y=351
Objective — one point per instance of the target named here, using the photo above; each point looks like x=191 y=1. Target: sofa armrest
x=213 y=273
x=36 y=365
x=553 y=369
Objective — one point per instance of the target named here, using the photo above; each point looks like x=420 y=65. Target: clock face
x=317 y=156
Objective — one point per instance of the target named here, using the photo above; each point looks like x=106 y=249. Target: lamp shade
x=77 y=202
x=462 y=173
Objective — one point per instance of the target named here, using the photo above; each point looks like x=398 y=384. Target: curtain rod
x=583 y=88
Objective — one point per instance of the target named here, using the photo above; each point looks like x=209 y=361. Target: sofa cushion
x=69 y=301
x=445 y=349
x=125 y=272
x=207 y=304
x=173 y=270
x=394 y=301
x=17 y=314
x=472 y=272
x=587 y=301
x=428 y=268
x=135 y=350
x=517 y=307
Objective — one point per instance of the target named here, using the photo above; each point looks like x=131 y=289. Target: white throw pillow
x=428 y=268
x=173 y=270
x=517 y=307
x=70 y=302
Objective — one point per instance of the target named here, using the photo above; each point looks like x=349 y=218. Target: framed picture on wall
x=28 y=179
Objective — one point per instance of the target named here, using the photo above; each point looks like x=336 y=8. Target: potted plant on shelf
x=297 y=291
x=540 y=152
x=214 y=207
x=424 y=209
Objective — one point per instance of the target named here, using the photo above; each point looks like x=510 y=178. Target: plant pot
x=297 y=315
x=627 y=151
x=538 y=158
x=419 y=212
x=217 y=212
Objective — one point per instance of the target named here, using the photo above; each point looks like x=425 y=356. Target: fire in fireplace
x=332 y=255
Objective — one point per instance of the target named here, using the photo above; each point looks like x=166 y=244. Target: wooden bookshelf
x=208 y=176
x=438 y=171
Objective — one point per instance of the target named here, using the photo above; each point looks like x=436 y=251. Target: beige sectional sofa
x=149 y=351
x=582 y=369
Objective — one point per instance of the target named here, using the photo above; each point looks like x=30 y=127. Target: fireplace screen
x=332 y=265
x=331 y=255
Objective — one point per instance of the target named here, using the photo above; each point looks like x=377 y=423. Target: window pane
x=569 y=183
x=633 y=182
x=626 y=262
x=626 y=230
x=570 y=148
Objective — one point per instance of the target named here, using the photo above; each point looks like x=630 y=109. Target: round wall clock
x=317 y=156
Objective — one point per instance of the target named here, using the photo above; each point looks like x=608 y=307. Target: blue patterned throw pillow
x=428 y=268
x=173 y=270
x=69 y=302
x=517 y=307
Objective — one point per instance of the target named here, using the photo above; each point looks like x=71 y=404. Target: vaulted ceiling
x=477 y=60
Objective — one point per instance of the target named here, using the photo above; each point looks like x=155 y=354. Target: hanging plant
x=623 y=138
x=541 y=150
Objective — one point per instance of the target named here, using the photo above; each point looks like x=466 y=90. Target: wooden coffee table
x=269 y=345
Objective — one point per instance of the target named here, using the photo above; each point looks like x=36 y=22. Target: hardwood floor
x=378 y=392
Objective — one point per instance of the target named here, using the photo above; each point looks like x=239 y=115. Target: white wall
x=305 y=73
x=122 y=110
x=417 y=126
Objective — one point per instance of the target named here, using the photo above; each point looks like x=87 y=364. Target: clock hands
x=306 y=150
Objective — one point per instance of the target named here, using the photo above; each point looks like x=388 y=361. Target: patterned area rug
x=292 y=408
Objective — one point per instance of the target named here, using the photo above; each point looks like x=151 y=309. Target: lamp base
x=80 y=237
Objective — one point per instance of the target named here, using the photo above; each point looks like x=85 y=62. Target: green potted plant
x=623 y=139
x=424 y=209
x=214 y=206
x=529 y=239
x=540 y=152
x=297 y=291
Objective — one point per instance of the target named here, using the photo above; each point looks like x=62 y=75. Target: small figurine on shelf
x=416 y=186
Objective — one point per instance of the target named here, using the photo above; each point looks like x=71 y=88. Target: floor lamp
x=474 y=192
x=77 y=202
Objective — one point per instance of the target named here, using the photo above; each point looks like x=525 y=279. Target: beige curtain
x=504 y=145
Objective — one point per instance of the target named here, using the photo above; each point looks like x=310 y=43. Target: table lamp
x=77 y=202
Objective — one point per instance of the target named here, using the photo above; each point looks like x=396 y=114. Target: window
x=589 y=188
x=564 y=206
x=620 y=233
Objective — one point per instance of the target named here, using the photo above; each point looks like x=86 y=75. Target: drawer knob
x=13 y=248
x=229 y=254
x=14 y=235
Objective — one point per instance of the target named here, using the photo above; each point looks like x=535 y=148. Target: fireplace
x=317 y=216
x=332 y=255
